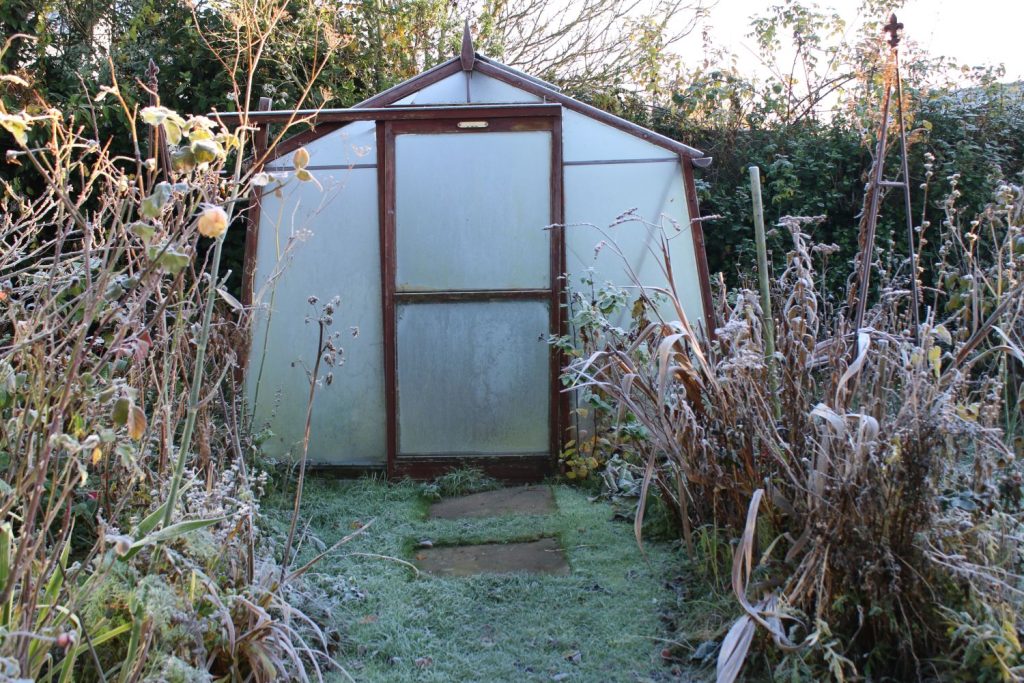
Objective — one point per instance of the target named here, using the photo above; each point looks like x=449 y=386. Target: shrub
x=130 y=546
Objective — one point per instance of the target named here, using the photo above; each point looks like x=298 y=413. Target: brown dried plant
x=877 y=504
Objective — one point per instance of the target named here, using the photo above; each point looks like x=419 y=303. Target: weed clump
x=459 y=482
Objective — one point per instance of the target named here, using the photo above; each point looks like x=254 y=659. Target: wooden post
x=157 y=144
x=762 y=276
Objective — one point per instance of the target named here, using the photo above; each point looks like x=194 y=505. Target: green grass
x=397 y=626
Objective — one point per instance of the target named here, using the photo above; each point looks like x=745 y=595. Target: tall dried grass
x=881 y=501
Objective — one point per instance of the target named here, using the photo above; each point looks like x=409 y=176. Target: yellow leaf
x=968 y=412
x=173 y=131
x=97 y=456
x=136 y=423
x=935 y=359
x=17 y=80
x=17 y=125
x=301 y=158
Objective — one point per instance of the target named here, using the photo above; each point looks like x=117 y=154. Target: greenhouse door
x=472 y=293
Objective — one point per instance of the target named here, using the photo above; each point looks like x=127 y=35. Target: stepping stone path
x=519 y=500
x=544 y=556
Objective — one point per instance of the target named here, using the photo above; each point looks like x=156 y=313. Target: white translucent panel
x=486 y=90
x=448 y=90
x=595 y=197
x=334 y=252
x=586 y=139
x=473 y=378
x=471 y=210
x=355 y=143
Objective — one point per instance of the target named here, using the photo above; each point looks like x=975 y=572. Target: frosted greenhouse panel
x=449 y=90
x=585 y=139
x=335 y=252
x=353 y=144
x=473 y=378
x=597 y=195
x=471 y=209
x=486 y=90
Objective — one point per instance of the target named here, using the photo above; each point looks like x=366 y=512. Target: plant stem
x=766 y=297
x=197 y=380
x=305 y=452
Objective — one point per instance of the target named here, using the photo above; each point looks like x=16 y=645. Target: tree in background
x=810 y=125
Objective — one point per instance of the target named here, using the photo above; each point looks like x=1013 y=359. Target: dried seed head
x=213 y=222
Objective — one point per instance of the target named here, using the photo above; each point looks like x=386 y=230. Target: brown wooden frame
x=518 y=467
x=697 y=232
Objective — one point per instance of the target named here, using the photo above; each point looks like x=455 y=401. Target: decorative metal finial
x=893 y=28
x=468 y=55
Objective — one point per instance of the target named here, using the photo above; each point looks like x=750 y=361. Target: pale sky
x=974 y=32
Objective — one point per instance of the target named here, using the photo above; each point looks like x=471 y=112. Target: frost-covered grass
x=601 y=623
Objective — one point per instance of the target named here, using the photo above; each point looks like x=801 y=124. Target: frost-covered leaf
x=142 y=230
x=153 y=205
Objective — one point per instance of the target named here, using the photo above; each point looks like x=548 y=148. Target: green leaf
x=169 y=258
x=120 y=413
x=170 y=533
x=153 y=205
x=142 y=230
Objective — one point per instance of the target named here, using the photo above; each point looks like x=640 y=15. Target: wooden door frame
x=505 y=467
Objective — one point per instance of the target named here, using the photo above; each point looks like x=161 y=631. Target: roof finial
x=468 y=55
x=893 y=28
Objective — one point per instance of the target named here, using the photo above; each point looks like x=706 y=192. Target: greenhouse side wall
x=621 y=195
x=335 y=252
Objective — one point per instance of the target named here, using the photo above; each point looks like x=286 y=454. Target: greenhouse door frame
x=511 y=467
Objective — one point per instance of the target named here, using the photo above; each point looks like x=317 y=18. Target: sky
x=974 y=32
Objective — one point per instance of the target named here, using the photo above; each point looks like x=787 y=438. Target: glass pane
x=338 y=254
x=471 y=209
x=473 y=377
x=597 y=195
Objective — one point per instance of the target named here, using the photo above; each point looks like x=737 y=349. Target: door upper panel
x=471 y=209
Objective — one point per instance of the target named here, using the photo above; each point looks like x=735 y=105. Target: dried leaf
x=734 y=649
x=136 y=423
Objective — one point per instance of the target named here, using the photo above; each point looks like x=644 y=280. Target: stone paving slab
x=519 y=500
x=537 y=557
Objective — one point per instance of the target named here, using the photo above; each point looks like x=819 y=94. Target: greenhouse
x=450 y=214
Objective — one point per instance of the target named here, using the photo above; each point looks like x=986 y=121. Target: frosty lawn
x=601 y=622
